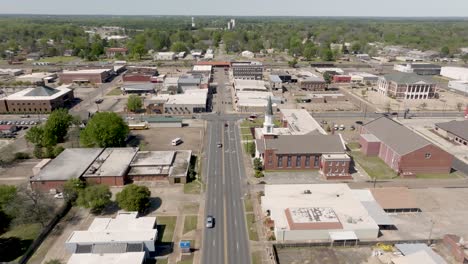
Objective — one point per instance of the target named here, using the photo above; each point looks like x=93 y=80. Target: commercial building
x=125 y=233
x=112 y=52
x=299 y=122
x=460 y=86
x=454 y=130
x=85 y=76
x=37 y=77
x=40 y=99
x=160 y=165
x=248 y=54
x=401 y=149
x=203 y=69
x=11 y=72
x=416 y=253
x=310 y=82
x=456 y=73
x=323 y=97
x=108 y=258
x=247 y=70
x=418 y=68
x=140 y=74
x=192 y=101
x=70 y=164
x=111 y=166
x=407 y=86
x=138 y=88
x=165 y=56
x=275 y=82
x=188 y=82
x=216 y=64
x=318 y=212
x=329 y=70
x=341 y=78
x=363 y=77
x=242 y=85
x=251 y=102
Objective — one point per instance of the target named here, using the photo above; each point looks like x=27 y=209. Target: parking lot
x=160 y=138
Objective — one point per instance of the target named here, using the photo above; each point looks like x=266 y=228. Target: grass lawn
x=253 y=235
x=245 y=131
x=17 y=240
x=256 y=258
x=374 y=166
x=353 y=145
x=190 y=223
x=247 y=137
x=193 y=187
x=166 y=225
x=58 y=59
x=248 y=205
x=115 y=91
x=186 y=259
x=162 y=261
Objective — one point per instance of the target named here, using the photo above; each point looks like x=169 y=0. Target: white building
x=250 y=85
x=167 y=56
x=191 y=101
x=363 y=77
x=456 y=73
x=37 y=77
x=320 y=212
x=125 y=233
x=109 y=258
x=11 y=72
x=248 y=101
x=363 y=56
x=329 y=70
x=461 y=86
x=248 y=54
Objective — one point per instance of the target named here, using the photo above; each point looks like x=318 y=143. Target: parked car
x=58 y=196
x=220 y=145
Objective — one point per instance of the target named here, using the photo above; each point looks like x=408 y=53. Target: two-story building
x=407 y=86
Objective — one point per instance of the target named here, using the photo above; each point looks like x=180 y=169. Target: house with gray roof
x=407 y=86
x=454 y=130
x=402 y=149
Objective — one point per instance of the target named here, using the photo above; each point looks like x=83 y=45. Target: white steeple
x=268 y=123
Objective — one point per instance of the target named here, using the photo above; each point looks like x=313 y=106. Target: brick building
x=407 y=86
x=40 y=99
x=140 y=74
x=296 y=151
x=341 y=78
x=454 y=130
x=247 y=70
x=85 y=76
x=400 y=148
x=311 y=82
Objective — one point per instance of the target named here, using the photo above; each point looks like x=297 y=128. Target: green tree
x=258 y=174
x=54 y=261
x=35 y=135
x=134 y=103
x=56 y=127
x=30 y=207
x=310 y=51
x=356 y=47
x=134 y=198
x=104 y=129
x=72 y=188
x=258 y=164
x=465 y=58
x=7 y=194
x=292 y=63
x=327 y=54
x=445 y=51
x=327 y=77
x=94 y=197
x=178 y=46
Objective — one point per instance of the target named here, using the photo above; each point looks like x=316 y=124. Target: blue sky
x=401 y=8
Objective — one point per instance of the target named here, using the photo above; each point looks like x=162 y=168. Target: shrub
x=22 y=155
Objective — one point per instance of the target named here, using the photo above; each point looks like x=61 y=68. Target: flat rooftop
x=301 y=122
x=86 y=71
x=249 y=85
x=112 y=258
x=125 y=227
x=153 y=158
x=38 y=75
x=394 y=198
x=111 y=162
x=339 y=198
x=70 y=164
x=190 y=97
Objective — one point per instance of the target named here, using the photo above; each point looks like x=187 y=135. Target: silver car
x=209 y=221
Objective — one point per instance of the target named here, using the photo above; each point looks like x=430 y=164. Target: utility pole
x=430 y=232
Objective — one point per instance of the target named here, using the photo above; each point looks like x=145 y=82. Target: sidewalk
x=174 y=257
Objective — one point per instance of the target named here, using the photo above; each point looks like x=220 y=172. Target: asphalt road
x=228 y=241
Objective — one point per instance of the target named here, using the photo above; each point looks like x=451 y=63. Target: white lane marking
x=237 y=246
x=234 y=203
x=214 y=242
x=235 y=222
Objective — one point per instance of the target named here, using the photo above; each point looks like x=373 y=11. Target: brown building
x=41 y=99
x=306 y=152
x=311 y=82
x=407 y=86
x=400 y=148
x=454 y=130
x=112 y=52
x=85 y=76
x=140 y=74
